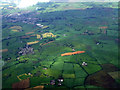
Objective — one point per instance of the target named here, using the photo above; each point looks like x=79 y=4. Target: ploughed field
x=35 y=52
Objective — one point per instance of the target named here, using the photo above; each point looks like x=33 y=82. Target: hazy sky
x=26 y=3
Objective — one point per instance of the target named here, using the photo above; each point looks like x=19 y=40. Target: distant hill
x=59 y=0
x=84 y=0
x=57 y=6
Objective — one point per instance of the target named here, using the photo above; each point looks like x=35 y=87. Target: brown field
x=29 y=33
x=70 y=8
x=28 y=36
x=115 y=74
x=48 y=42
x=21 y=84
x=4 y=50
x=36 y=88
x=104 y=27
x=101 y=79
x=72 y=53
x=109 y=68
x=25 y=37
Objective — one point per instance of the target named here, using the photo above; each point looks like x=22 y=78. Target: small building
x=29 y=73
x=40 y=25
x=52 y=82
x=45 y=68
x=84 y=64
x=61 y=79
x=59 y=84
x=98 y=43
x=73 y=49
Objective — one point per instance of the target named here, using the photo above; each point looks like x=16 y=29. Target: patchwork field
x=33 y=48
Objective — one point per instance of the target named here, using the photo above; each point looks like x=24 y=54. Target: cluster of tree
x=48 y=39
x=69 y=45
x=23 y=59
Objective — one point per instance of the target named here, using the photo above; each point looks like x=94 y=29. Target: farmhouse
x=40 y=25
x=84 y=64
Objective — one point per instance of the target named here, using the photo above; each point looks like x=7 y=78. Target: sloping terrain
x=36 y=38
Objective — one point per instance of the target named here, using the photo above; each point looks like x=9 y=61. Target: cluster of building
x=84 y=64
x=58 y=82
x=4 y=6
x=30 y=20
x=23 y=16
x=22 y=19
x=87 y=33
x=103 y=30
x=26 y=50
x=41 y=26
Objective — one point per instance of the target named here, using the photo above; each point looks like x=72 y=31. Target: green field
x=76 y=26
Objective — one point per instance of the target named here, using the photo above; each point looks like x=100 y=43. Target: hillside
x=60 y=45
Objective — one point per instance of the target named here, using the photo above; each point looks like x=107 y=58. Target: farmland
x=33 y=42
